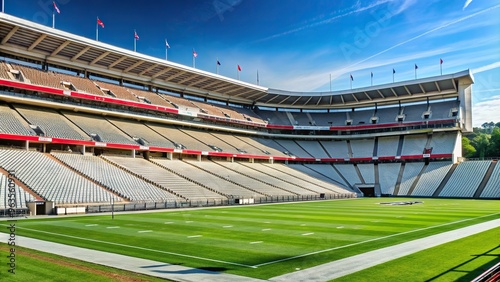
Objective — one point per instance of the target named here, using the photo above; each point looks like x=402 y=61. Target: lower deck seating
x=52 y=180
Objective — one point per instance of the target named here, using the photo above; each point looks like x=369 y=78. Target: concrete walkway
x=324 y=272
x=339 y=268
x=144 y=266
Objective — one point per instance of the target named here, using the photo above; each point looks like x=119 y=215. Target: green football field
x=263 y=241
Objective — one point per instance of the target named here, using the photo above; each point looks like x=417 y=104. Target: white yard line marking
x=113 y=227
x=91 y=224
x=367 y=241
x=189 y=221
x=195 y=236
x=227 y=226
x=302 y=224
x=266 y=229
x=256 y=242
x=338 y=227
x=307 y=234
x=144 y=231
x=267 y=222
x=168 y=222
x=138 y=248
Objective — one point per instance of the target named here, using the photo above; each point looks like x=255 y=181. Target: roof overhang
x=25 y=39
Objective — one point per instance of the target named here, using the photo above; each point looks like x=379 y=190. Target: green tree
x=494 y=148
x=481 y=143
x=467 y=149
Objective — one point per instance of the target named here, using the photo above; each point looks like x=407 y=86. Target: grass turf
x=263 y=241
x=32 y=265
x=460 y=260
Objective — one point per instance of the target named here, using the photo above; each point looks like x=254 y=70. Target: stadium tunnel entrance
x=368 y=190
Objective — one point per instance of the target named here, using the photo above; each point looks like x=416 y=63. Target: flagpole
x=97 y=29
x=135 y=40
x=166 y=53
x=238 y=73
x=330 y=82
x=415 y=72
x=393 y=72
x=194 y=61
x=371 y=78
x=350 y=80
x=258 y=77
x=53 y=18
x=217 y=65
x=441 y=65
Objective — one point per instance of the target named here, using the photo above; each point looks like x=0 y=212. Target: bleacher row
x=30 y=120
x=69 y=178
x=435 y=111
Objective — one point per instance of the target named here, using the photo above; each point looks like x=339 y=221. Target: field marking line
x=189 y=221
x=112 y=227
x=91 y=224
x=266 y=229
x=168 y=222
x=144 y=231
x=367 y=241
x=134 y=247
x=227 y=226
x=307 y=234
x=256 y=242
x=194 y=236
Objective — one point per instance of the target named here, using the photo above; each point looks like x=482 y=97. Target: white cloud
x=467 y=2
x=318 y=21
x=486 y=111
x=486 y=68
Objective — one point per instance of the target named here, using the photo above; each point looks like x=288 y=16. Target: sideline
x=342 y=267
x=143 y=266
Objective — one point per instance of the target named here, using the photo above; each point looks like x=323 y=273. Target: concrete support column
x=170 y=156
x=198 y=158
x=27 y=145
x=133 y=153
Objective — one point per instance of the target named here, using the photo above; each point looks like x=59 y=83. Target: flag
x=393 y=71
x=372 y=74
x=166 y=44
x=218 y=62
x=239 y=68
x=352 y=78
x=136 y=36
x=440 y=61
x=55 y=7
x=99 y=22
x=195 y=54
x=416 y=67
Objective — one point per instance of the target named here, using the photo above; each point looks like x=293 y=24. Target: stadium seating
x=141 y=133
x=98 y=128
x=52 y=180
x=293 y=148
x=51 y=123
x=368 y=172
x=348 y=171
x=491 y=190
x=410 y=173
x=119 y=181
x=388 y=176
x=465 y=179
x=12 y=123
x=176 y=183
x=431 y=178
x=313 y=148
x=21 y=196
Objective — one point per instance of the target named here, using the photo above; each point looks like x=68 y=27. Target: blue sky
x=297 y=45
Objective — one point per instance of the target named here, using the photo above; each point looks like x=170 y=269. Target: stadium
x=143 y=150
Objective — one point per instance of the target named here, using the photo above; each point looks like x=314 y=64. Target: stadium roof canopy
x=25 y=39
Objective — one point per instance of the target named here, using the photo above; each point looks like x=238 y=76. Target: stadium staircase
x=358 y=172
x=284 y=180
x=377 y=190
x=417 y=179
x=291 y=175
x=485 y=180
x=54 y=158
x=188 y=179
x=400 y=175
x=142 y=177
x=22 y=185
x=226 y=179
x=257 y=179
x=445 y=180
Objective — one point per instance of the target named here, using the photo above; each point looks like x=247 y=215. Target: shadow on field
x=199 y=270
x=472 y=274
